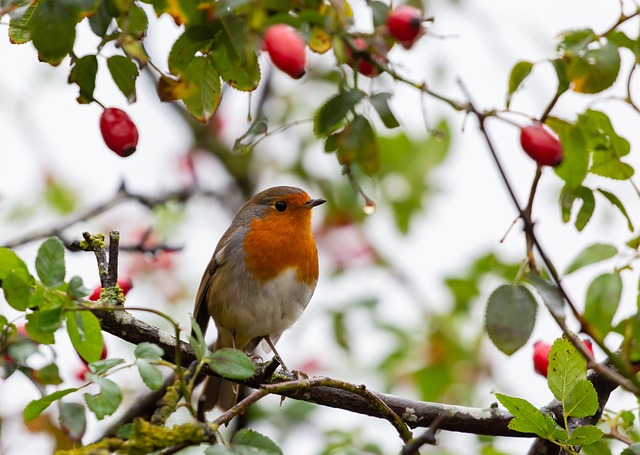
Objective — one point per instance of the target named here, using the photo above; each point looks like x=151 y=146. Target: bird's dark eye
x=281 y=206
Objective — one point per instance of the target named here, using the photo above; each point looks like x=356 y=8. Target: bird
x=259 y=280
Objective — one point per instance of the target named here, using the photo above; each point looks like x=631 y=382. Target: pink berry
x=286 y=49
x=405 y=24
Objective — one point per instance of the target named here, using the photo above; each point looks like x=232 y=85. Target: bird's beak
x=311 y=203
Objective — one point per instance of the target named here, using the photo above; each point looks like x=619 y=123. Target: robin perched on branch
x=259 y=280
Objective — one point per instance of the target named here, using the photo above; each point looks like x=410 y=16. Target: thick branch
x=415 y=414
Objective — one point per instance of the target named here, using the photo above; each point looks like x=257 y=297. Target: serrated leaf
x=519 y=73
x=330 y=116
x=184 y=50
x=575 y=163
x=53 y=19
x=124 y=73
x=581 y=400
x=380 y=101
x=85 y=333
x=566 y=368
x=102 y=366
x=83 y=74
x=50 y=262
x=73 y=420
x=199 y=89
x=585 y=435
x=231 y=363
x=107 y=401
x=616 y=202
x=150 y=374
x=20 y=24
x=591 y=255
x=146 y=350
x=550 y=294
x=249 y=441
x=36 y=407
x=596 y=70
x=357 y=143
x=527 y=418
x=603 y=298
x=510 y=316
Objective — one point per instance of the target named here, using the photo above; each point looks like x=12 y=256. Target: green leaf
x=124 y=73
x=83 y=74
x=510 y=316
x=357 y=143
x=36 y=407
x=219 y=449
x=330 y=116
x=15 y=280
x=42 y=324
x=560 y=67
x=527 y=418
x=101 y=20
x=107 y=401
x=150 y=374
x=618 y=204
x=50 y=262
x=568 y=196
x=102 y=366
x=575 y=42
x=20 y=24
x=603 y=297
x=252 y=442
x=605 y=145
x=73 y=420
x=48 y=375
x=199 y=89
x=596 y=70
x=591 y=255
x=196 y=340
x=575 y=163
x=85 y=333
x=234 y=53
x=566 y=368
x=21 y=350
x=146 y=350
x=340 y=331
x=585 y=435
x=184 y=50
x=550 y=294
x=134 y=23
x=519 y=73
x=76 y=288
x=51 y=19
x=581 y=400
x=380 y=12
x=633 y=449
x=380 y=101
x=231 y=363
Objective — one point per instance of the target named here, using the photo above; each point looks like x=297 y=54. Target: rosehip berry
x=125 y=284
x=541 y=145
x=357 y=61
x=118 y=131
x=541 y=357
x=405 y=25
x=286 y=49
x=81 y=374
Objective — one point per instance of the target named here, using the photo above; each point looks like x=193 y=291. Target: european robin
x=259 y=280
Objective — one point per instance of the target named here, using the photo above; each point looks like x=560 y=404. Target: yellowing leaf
x=320 y=41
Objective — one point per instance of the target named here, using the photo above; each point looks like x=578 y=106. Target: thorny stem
x=629 y=384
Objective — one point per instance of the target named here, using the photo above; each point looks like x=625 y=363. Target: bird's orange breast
x=278 y=242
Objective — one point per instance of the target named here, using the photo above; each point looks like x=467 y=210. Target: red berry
x=541 y=357
x=405 y=24
x=81 y=374
x=118 y=131
x=358 y=61
x=286 y=49
x=541 y=145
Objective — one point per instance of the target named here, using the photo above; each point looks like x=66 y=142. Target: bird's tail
x=218 y=392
